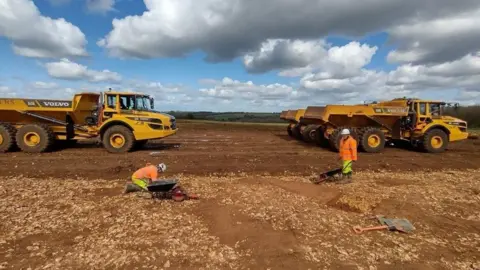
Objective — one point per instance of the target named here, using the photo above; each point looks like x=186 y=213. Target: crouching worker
x=348 y=155
x=144 y=176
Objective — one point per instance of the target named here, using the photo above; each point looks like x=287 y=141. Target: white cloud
x=100 y=6
x=284 y=54
x=67 y=70
x=7 y=92
x=463 y=73
x=246 y=94
x=44 y=85
x=438 y=40
x=297 y=58
x=156 y=89
x=461 y=76
x=469 y=97
x=225 y=29
x=34 y=35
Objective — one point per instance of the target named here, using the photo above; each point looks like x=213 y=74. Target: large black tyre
x=296 y=132
x=7 y=137
x=35 y=138
x=309 y=133
x=320 y=139
x=335 y=137
x=289 y=131
x=435 y=141
x=118 y=139
x=372 y=140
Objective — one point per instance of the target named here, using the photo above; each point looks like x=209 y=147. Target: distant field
x=229 y=116
x=475 y=132
x=230 y=123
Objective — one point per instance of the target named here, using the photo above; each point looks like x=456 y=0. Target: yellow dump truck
x=293 y=117
x=121 y=120
x=422 y=123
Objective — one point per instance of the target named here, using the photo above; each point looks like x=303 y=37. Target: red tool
x=169 y=189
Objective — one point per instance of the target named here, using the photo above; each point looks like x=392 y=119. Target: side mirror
x=152 y=105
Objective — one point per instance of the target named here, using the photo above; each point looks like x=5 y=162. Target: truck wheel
x=35 y=138
x=435 y=141
x=118 y=139
x=372 y=140
x=309 y=133
x=289 y=131
x=296 y=132
x=7 y=138
x=335 y=137
x=320 y=139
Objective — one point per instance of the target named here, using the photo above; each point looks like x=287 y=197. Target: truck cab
x=428 y=117
x=137 y=111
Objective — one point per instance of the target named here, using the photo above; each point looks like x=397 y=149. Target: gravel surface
x=242 y=221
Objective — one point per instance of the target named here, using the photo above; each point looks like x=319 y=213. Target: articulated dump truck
x=293 y=117
x=421 y=123
x=121 y=120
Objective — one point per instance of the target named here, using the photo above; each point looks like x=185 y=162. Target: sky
x=242 y=55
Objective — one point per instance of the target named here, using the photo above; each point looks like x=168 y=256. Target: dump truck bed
x=18 y=110
x=354 y=115
x=36 y=105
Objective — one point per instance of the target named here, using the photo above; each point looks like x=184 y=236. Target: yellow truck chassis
x=418 y=122
x=36 y=125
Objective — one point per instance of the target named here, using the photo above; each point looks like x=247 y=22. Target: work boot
x=345 y=178
x=132 y=188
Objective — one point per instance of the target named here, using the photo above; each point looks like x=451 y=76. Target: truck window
x=143 y=103
x=422 y=109
x=435 y=109
x=111 y=101
x=127 y=102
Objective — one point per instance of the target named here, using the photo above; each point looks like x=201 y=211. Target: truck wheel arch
x=107 y=125
x=436 y=126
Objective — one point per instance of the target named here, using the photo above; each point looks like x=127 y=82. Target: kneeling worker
x=144 y=176
x=348 y=154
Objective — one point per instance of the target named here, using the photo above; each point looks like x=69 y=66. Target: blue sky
x=291 y=60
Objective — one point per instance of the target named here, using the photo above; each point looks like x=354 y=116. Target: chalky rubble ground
x=243 y=221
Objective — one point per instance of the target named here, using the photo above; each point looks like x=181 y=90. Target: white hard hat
x=162 y=167
x=345 y=132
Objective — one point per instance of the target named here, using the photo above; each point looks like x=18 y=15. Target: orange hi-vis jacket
x=149 y=171
x=348 y=149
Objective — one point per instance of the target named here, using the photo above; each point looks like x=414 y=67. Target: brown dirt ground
x=259 y=211
x=222 y=149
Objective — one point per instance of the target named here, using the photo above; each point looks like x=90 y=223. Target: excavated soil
x=257 y=208
x=222 y=149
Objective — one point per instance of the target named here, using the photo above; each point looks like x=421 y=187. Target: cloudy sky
x=242 y=55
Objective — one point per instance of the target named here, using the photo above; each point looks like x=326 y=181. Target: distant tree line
x=229 y=116
x=471 y=114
